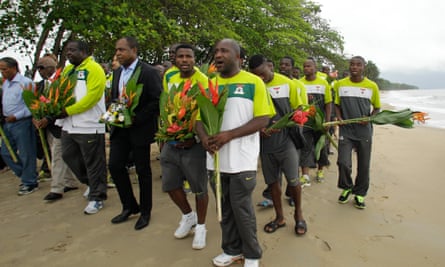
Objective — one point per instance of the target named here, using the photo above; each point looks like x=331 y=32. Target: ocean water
x=431 y=101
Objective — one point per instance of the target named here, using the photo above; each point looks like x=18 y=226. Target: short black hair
x=11 y=62
x=292 y=61
x=312 y=59
x=256 y=60
x=132 y=42
x=185 y=46
x=362 y=59
x=82 y=46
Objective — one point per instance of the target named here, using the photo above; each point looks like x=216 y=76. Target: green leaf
x=398 y=118
x=28 y=97
x=209 y=115
x=162 y=103
x=319 y=146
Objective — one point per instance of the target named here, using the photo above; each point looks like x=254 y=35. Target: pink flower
x=43 y=99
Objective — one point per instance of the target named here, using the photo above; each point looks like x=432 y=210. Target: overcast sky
x=405 y=39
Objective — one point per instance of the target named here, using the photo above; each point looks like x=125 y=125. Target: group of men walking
x=255 y=100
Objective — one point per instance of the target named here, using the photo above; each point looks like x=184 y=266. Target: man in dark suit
x=137 y=138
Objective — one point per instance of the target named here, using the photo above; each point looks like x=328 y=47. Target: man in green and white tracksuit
x=83 y=137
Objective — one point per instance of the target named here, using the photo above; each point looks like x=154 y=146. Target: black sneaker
x=27 y=189
x=359 y=202
x=344 y=197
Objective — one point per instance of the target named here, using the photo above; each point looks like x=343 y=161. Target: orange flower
x=186 y=88
x=35 y=105
x=202 y=89
x=420 y=116
x=211 y=69
x=312 y=111
x=181 y=112
x=214 y=92
x=56 y=76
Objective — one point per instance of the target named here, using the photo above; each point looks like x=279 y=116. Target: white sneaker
x=86 y=193
x=251 y=263
x=93 y=207
x=199 y=241
x=186 y=224
x=225 y=259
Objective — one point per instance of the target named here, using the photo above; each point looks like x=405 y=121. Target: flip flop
x=301 y=225
x=273 y=226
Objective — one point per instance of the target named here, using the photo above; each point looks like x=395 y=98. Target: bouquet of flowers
x=50 y=101
x=211 y=107
x=311 y=116
x=121 y=112
x=178 y=111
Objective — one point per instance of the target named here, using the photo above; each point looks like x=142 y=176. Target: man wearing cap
x=63 y=179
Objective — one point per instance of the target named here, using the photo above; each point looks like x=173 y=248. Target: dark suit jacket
x=55 y=130
x=145 y=122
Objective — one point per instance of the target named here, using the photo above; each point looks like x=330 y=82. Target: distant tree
x=273 y=28
x=371 y=71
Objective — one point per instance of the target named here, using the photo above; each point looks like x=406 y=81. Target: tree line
x=274 y=28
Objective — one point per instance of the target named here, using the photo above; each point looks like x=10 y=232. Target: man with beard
x=83 y=137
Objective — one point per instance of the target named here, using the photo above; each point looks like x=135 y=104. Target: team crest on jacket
x=81 y=75
x=239 y=90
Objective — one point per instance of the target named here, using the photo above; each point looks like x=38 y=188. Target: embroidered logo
x=81 y=75
x=239 y=90
x=276 y=90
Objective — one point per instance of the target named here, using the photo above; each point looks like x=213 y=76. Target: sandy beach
x=403 y=224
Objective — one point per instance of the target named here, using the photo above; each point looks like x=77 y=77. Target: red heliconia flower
x=174 y=128
x=300 y=117
x=214 y=92
x=56 y=76
x=202 y=89
x=186 y=88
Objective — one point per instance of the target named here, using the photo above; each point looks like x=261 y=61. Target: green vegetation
x=274 y=28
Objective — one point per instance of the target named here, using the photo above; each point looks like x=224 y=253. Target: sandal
x=266 y=203
x=273 y=226
x=301 y=228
